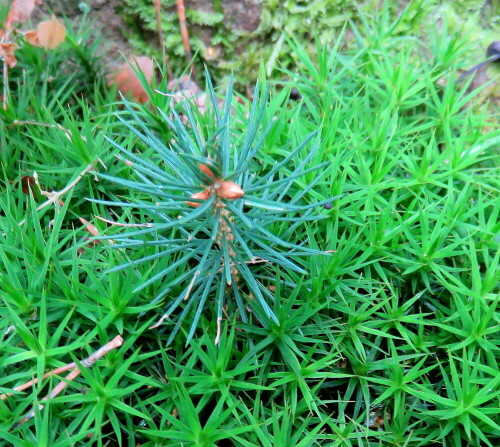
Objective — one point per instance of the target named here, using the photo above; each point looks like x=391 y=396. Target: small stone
x=295 y=94
x=493 y=49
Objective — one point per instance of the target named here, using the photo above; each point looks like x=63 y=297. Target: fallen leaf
x=20 y=11
x=51 y=33
x=28 y=184
x=127 y=81
x=7 y=53
x=32 y=37
x=378 y=419
x=92 y=229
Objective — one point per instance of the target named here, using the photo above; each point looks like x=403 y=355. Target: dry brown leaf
x=31 y=37
x=51 y=33
x=7 y=53
x=28 y=184
x=127 y=81
x=20 y=11
x=92 y=229
x=378 y=419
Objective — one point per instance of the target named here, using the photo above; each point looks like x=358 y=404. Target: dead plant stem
x=54 y=196
x=86 y=363
x=181 y=11
x=161 y=39
x=5 y=84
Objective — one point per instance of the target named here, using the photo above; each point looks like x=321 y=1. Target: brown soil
x=243 y=15
x=106 y=21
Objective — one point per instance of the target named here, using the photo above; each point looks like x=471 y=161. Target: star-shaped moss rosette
x=212 y=215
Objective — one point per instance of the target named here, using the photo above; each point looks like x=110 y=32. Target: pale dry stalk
x=86 y=363
x=226 y=233
x=161 y=40
x=54 y=196
x=118 y=224
x=181 y=11
x=66 y=132
x=34 y=381
x=5 y=84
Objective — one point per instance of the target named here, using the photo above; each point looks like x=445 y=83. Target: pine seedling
x=212 y=214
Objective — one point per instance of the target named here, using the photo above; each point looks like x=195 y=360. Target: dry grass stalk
x=89 y=361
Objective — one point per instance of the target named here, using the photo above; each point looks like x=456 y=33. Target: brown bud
x=203 y=195
x=230 y=190
x=206 y=170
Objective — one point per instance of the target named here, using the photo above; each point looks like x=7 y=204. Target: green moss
x=207 y=29
x=225 y=50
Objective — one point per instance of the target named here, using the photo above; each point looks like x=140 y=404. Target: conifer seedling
x=212 y=213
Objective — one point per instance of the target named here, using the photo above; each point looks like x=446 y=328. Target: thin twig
x=253 y=261
x=55 y=391
x=161 y=40
x=5 y=84
x=191 y=284
x=34 y=381
x=170 y=95
x=118 y=224
x=53 y=196
x=67 y=132
x=92 y=229
x=480 y=66
x=185 y=36
x=89 y=361
x=217 y=337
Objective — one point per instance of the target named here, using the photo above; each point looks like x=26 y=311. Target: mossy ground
x=228 y=50
x=391 y=339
